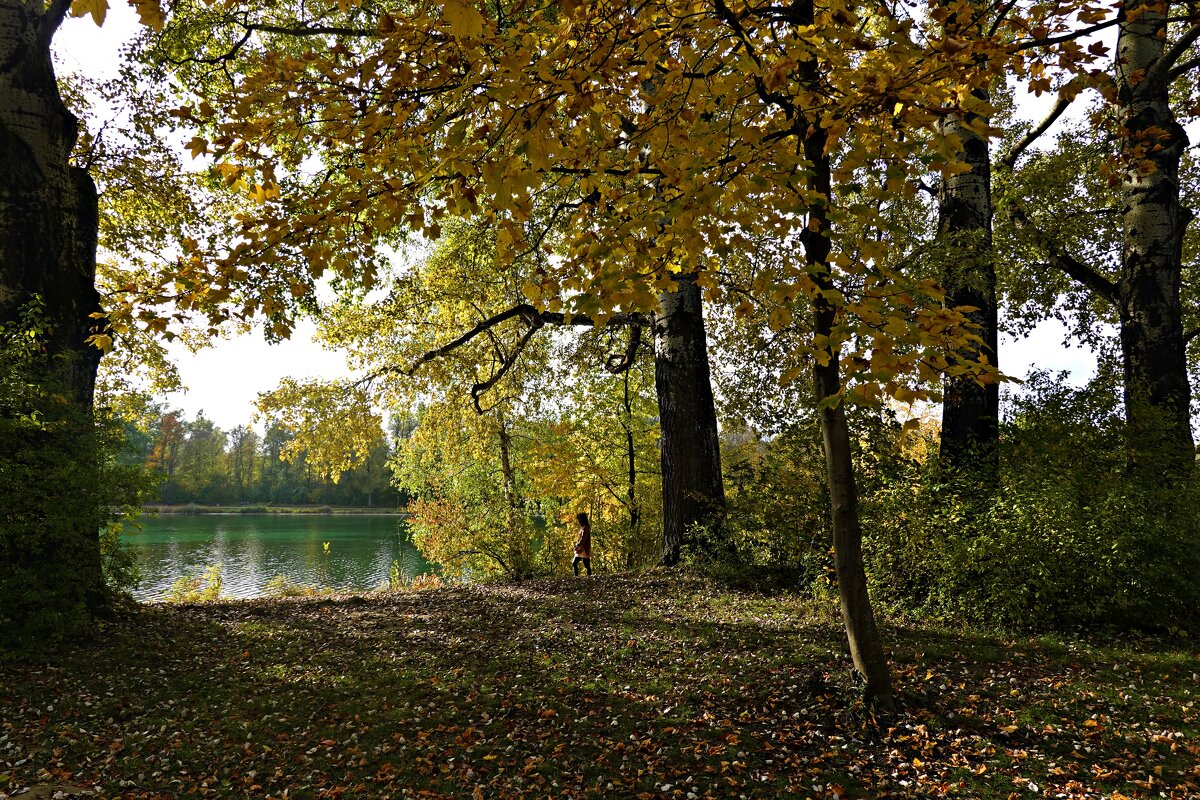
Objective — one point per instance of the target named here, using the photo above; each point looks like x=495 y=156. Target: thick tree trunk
x=970 y=412
x=862 y=634
x=1157 y=390
x=48 y=224
x=693 y=491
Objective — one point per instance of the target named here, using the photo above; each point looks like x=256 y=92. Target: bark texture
x=48 y=228
x=693 y=490
x=1157 y=389
x=970 y=412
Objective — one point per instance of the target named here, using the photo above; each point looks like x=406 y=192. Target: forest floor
x=653 y=686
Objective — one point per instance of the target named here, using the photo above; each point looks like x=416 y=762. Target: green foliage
x=69 y=488
x=197 y=587
x=776 y=527
x=1078 y=533
x=200 y=463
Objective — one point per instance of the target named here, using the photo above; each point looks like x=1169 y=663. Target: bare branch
x=1009 y=159
x=505 y=364
x=524 y=311
x=1029 y=44
x=1183 y=68
x=1065 y=262
x=533 y=318
x=621 y=362
x=1163 y=67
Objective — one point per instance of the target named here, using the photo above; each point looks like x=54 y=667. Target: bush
x=66 y=496
x=1075 y=534
x=197 y=587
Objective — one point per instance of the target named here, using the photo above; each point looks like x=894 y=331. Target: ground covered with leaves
x=645 y=687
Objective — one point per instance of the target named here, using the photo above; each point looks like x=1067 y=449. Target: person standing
x=583 y=545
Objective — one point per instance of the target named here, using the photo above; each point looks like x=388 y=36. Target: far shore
x=255 y=508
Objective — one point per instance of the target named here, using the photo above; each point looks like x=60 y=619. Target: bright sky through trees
x=225 y=379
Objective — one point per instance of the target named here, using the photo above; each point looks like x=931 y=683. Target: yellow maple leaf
x=464 y=19
x=97 y=8
x=150 y=13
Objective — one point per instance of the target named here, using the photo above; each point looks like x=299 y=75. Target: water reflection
x=254 y=548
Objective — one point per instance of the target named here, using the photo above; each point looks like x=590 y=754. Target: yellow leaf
x=150 y=13
x=97 y=8
x=464 y=19
x=198 y=146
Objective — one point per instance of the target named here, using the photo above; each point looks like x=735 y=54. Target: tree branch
x=617 y=363
x=506 y=363
x=1009 y=159
x=1183 y=68
x=1192 y=334
x=534 y=319
x=1066 y=263
x=1066 y=37
x=1163 y=67
x=523 y=310
x=56 y=12
x=310 y=30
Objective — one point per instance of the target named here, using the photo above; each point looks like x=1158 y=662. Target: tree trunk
x=693 y=491
x=970 y=412
x=1157 y=389
x=866 y=648
x=48 y=228
x=635 y=511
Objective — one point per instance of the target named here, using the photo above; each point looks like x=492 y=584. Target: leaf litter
x=651 y=686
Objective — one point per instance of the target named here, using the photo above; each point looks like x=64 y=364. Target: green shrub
x=66 y=495
x=1074 y=535
x=197 y=587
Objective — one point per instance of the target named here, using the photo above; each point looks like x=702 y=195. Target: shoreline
x=195 y=509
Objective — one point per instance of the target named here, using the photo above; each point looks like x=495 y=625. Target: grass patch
x=652 y=686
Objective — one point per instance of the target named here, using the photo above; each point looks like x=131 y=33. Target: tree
x=1157 y=390
x=48 y=224
x=693 y=490
x=1129 y=204
x=243 y=459
x=970 y=411
x=639 y=144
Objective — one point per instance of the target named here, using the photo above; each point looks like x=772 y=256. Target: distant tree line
x=198 y=462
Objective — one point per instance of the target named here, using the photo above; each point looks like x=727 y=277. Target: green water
x=254 y=548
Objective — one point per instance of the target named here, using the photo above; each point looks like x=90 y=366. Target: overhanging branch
x=535 y=320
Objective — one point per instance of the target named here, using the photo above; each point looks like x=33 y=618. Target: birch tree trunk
x=970 y=412
x=693 y=490
x=1157 y=389
x=48 y=225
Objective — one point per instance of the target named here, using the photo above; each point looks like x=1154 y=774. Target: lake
x=254 y=548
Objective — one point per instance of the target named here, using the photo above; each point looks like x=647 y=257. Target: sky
x=224 y=380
